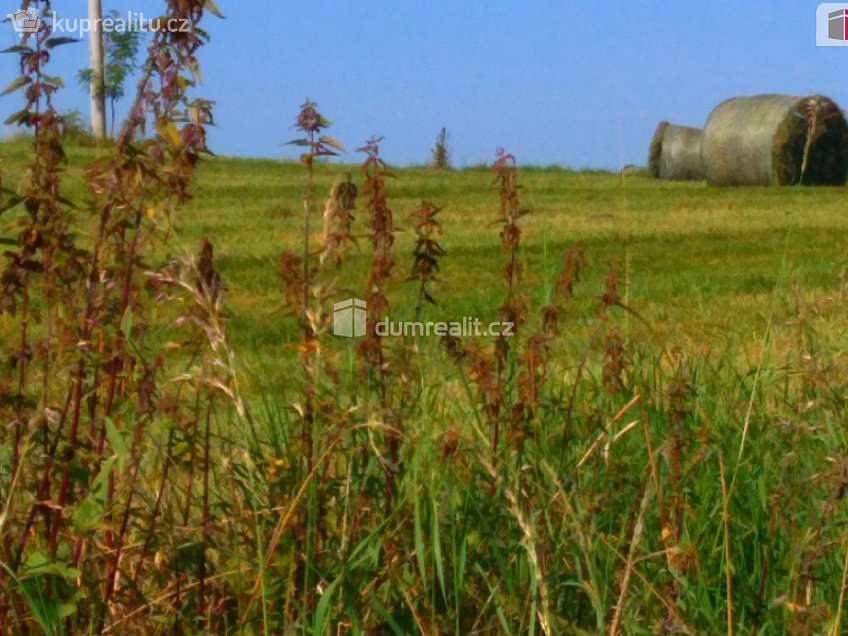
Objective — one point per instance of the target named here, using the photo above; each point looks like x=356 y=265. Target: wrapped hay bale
x=676 y=153
x=776 y=140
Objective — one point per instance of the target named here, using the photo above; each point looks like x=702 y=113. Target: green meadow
x=702 y=265
x=682 y=468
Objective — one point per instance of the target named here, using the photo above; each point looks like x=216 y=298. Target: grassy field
x=701 y=264
x=683 y=471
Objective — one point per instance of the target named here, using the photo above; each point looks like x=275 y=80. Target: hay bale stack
x=676 y=153
x=776 y=140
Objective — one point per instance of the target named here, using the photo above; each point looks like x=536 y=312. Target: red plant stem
x=206 y=521
x=157 y=506
x=22 y=378
x=43 y=491
x=384 y=403
x=112 y=578
x=500 y=371
x=114 y=373
x=120 y=344
x=307 y=434
x=308 y=333
x=190 y=487
x=569 y=418
x=89 y=323
x=64 y=491
x=307 y=214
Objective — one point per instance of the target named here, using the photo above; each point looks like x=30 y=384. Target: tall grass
x=533 y=484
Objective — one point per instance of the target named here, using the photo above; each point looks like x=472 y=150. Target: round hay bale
x=776 y=140
x=676 y=153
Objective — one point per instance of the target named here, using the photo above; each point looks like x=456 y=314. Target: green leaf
x=91 y=510
x=100 y=486
x=212 y=8
x=297 y=142
x=66 y=609
x=437 y=550
x=67 y=202
x=420 y=554
x=116 y=440
x=386 y=615
x=87 y=516
x=52 y=43
x=322 y=613
x=39 y=563
x=22 y=81
x=333 y=143
x=11 y=201
x=180 y=449
x=127 y=323
x=35 y=604
x=18 y=48
x=19 y=117
x=171 y=134
x=55 y=80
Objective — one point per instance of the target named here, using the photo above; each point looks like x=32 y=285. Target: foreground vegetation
x=188 y=449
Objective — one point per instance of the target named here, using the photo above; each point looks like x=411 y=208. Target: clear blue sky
x=582 y=84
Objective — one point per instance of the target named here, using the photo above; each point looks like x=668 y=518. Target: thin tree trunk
x=98 y=78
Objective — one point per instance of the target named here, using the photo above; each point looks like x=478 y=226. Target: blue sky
x=582 y=84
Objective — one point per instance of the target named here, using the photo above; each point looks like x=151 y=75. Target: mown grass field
x=701 y=264
x=692 y=481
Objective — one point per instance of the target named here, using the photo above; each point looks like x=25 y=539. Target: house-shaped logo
x=26 y=21
x=837 y=21
x=350 y=318
x=832 y=24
